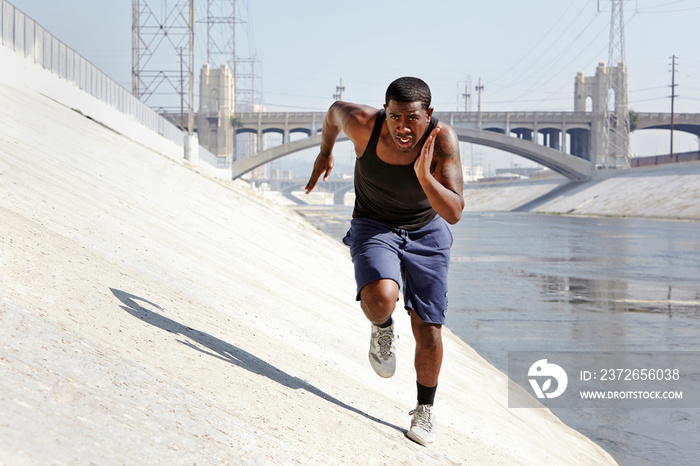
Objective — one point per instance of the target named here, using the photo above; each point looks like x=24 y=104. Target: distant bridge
x=570 y=166
x=543 y=137
x=287 y=186
x=686 y=122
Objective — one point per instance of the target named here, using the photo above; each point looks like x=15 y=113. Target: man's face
x=407 y=123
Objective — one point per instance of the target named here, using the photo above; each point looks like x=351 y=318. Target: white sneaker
x=422 y=429
x=381 y=351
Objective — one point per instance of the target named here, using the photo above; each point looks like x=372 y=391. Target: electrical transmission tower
x=163 y=57
x=221 y=33
x=616 y=116
x=246 y=77
x=221 y=22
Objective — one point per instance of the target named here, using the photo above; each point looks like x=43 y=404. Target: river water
x=529 y=282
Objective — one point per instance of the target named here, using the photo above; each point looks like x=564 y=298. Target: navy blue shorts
x=418 y=260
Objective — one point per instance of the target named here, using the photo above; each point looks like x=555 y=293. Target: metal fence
x=23 y=35
x=211 y=159
x=663 y=159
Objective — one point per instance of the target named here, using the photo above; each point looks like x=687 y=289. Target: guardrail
x=653 y=160
x=25 y=36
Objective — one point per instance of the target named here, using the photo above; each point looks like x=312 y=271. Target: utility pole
x=467 y=95
x=479 y=88
x=339 y=91
x=182 y=94
x=190 y=116
x=673 y=96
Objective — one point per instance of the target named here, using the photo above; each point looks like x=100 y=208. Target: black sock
x=426 y=395
x=386 y=324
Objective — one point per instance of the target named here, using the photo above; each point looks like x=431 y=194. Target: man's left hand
x=425 y=159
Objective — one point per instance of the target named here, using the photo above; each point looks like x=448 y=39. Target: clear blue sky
x=527 y=53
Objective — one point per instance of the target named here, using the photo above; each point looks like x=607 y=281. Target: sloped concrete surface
x=670 y=191
x=150 y=314
x=507 y=196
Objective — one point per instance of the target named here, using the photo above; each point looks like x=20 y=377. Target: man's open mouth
x=404 y=141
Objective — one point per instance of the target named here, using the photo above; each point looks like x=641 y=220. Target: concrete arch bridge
x=562 y=141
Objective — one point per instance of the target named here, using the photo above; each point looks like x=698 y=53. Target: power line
x=534 y=47
x=539 y=83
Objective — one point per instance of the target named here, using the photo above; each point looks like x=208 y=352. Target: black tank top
x=387 y=193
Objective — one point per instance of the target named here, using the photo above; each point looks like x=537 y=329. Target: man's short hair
x=409 y=89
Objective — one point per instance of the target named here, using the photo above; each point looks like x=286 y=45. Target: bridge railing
x=280 y=115
x=25 y=36
x=249 y=118
x=523 y=115
x=252 y=118
x=678 y=117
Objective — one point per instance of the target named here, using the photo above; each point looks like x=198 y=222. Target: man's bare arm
x=350 y=118
x=439 y=171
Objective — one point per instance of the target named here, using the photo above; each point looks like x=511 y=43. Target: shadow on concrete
x=561 y=190
x=227 y=352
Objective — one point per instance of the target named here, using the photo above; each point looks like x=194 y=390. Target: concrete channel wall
x=670 y=191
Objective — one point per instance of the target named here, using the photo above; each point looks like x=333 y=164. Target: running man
x=408 y=184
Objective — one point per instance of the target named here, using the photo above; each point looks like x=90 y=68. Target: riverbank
x=670 y=191
x=151 y=314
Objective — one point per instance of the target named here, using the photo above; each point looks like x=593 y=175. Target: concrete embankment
x=670 y=191
x=150 y=314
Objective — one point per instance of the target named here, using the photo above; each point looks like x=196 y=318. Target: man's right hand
x=322 y=165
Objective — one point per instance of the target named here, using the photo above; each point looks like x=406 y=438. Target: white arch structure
x=572 y=167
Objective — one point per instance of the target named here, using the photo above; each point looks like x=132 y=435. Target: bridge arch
x=567 y=165
x=246 y=131
x=306 y=131
x=287 y=192
x=274 y=131
x=581 y=132
x=692 y=129
x=495 y=129
x=339 y=195
x=572 y=167
x=241 y=167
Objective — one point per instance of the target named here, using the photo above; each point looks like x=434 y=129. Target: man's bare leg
x=378 y=300
x=428 y=361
